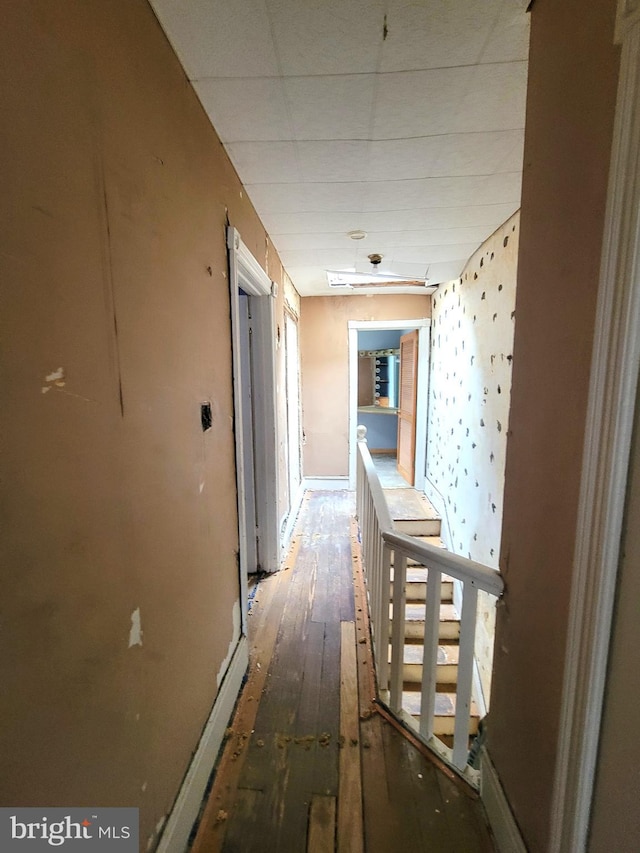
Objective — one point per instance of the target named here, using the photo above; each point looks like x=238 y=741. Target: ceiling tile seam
x=217 y=77
x=452 y=134
x=280 y=76
x=380 y=211
x=490 y=32
x=326 y=182
x=371 y=233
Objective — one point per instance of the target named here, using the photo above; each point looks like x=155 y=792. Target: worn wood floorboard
x=284 y=775
x=322 y=825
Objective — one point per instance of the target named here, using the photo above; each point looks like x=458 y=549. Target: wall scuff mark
x=54 y=380
x=135 y=633
x=232 y=644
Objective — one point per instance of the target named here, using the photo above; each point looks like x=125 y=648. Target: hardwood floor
x=309 y=763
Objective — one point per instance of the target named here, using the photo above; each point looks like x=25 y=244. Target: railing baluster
x=430 y=655
x=383 y=619
x=397 y=629
x=379 y=541
x=465 y=674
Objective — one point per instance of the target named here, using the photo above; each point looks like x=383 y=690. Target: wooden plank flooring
x=309 y=765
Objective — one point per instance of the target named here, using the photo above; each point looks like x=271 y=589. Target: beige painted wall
x=115 y=195
x=324 y=346
x=570 y=108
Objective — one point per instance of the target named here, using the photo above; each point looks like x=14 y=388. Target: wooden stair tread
x=419 y=574
x=436 y=541
x=409 y=505
x=414 y=653
x=445 y=710
x=415 y=613
x=445 y=704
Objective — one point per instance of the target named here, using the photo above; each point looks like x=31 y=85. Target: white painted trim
x=330 y=483
x=246 y=273
x=290 y=523
x=612 y=398
x=249 y=274
x=503 y=824
x=424 y=326
x=440 y=505
x=175 y=837
x=422 y=404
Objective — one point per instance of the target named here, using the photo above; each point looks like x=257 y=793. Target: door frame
x=423 y=325
x=247 y=274
x=613 y=392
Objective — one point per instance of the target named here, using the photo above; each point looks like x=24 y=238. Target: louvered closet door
x=407 y=406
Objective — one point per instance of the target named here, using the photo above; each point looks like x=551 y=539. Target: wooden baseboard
x=186 y=808
x=330 y=483
x=292 y=518
x=503 y=824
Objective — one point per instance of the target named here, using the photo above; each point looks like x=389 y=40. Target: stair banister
x=379 y=540
x=484 y=577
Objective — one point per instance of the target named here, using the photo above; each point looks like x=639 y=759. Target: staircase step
x=412 y=513
x=416 y=585
x=447 y=669
x=449 y=628
x=436 y=541
x=444 y=719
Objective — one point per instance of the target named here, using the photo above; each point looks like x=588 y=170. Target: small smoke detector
x=357 y=235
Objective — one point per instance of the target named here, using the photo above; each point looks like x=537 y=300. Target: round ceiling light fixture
x=357 y=235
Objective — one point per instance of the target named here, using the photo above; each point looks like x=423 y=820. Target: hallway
x=310 y=762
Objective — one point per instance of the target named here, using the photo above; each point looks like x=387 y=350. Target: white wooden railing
x=380 y=542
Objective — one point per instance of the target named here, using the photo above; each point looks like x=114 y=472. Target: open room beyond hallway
x=311 y=762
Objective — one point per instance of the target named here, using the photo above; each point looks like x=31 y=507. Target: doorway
x=254 y=383
x=358 y=328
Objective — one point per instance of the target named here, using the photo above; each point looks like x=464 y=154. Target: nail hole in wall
x=206 y=418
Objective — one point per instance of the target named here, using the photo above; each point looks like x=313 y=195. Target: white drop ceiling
x=402 y=119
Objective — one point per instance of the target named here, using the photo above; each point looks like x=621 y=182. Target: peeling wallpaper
x=473 y=322
x=470 y=385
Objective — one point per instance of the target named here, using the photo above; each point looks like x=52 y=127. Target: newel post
x=361 y=432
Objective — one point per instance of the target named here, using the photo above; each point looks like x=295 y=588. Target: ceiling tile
x=375 y=239
x=246 y=110
x=330 y=37
x=334 y=107
x=330 y=162
x=449 y=155
x=442 y=192
x=325 y=258
x=425 y=255
x=292 y=198
x=509 y=36
x=455 y=217
x=433 y=34
x=276 y=162
x=397 y=220
x=452 y=100
x=215 y=38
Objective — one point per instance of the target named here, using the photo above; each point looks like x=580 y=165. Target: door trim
x=424 y=341
x=246 y=273
x=610 y=416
